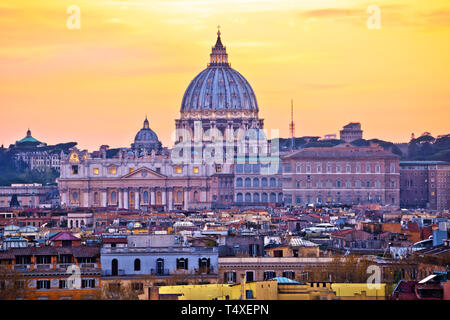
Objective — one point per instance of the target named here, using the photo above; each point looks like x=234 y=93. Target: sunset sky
x=135 y=58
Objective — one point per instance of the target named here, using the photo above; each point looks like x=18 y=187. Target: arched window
x=75 y=196
x=273 y=182
x=264 y=197
x=248 y=182
x=182 y=263
x=239 y=182
x=256 y=197
x=196 y=198
x=256 y=182
x=338 y=184
x=239 y=197
x=160 y=267
x=114 y=267
x=137 y=264
x=280 y=197
x=96 y=197
x=248 y=197
x=264 y=182
x=273 y=197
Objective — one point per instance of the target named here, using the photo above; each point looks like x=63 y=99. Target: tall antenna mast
x=292 y=125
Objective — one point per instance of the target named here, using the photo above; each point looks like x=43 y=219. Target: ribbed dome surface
x=146 y=138
x=219 y=88
x=146 y=135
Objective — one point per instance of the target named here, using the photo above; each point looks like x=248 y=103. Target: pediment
x=144 y=173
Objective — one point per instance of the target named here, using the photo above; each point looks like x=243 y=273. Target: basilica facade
x=143 y=177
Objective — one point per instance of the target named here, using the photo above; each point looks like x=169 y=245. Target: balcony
x=21 y=267
x=160 y=272
x=63 y=265
x=204 y=270
x=108 y=273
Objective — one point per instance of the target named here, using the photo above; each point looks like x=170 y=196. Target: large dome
x=219 y=87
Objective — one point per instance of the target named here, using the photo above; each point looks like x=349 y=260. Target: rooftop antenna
x=292 y=125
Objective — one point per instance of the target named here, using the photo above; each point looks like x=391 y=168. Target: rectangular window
x=96 y=171
x=43 y=259
x=74 y=169
x=268 y=275
x=112 y=170
x=63 y=284
x=88 y=283
x=43 y=284
x=289 y=274
x=195 y=170
x=178 y=170
x=230 y=276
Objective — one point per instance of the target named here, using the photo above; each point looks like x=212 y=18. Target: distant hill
x=425 y=147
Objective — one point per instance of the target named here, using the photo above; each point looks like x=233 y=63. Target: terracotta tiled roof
x=64 y=236
x=115 y=240
x=342 y=233
x=50 y=251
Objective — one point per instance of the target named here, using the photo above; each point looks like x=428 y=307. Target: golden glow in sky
x=129 y=59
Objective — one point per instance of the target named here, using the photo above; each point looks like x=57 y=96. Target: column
x=120 y=198
x=203 y=194
x=186 y=195
x=85 y=198
x=170 y=199
x=136 y=199
x=63 y=200
x=163 y=196
x=126 y=197
x=104 y=198
x=152 y=197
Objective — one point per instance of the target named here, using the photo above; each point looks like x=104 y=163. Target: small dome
x=146 y=138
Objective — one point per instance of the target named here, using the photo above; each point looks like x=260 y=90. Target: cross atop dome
x=146 y=125
x=218 y=56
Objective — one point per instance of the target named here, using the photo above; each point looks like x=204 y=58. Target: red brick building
x=425 y=184
x=341 y=174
